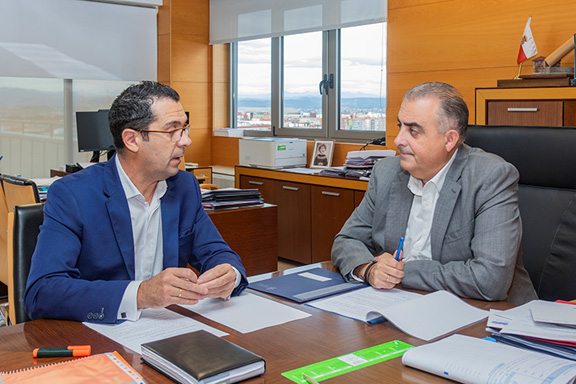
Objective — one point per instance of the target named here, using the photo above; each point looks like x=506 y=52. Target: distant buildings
x=357 y=119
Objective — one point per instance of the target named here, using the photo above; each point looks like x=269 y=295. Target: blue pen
x=399 y=248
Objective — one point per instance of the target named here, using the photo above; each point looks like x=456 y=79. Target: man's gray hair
x=453 y=108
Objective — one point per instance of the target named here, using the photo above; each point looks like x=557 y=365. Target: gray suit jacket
x=476 y=229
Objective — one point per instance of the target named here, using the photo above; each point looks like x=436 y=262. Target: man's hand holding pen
x=385 y=271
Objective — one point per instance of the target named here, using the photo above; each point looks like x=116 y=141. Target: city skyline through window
x=361 y=81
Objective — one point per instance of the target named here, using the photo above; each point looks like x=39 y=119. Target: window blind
x=236 y=20
x=76 y=39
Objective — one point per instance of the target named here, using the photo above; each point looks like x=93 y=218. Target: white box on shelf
x=272 y=152
x=229 y=132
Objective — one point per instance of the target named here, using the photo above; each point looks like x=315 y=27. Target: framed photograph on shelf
x=322 y=154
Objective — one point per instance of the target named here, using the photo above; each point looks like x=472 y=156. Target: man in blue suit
x=117 y=237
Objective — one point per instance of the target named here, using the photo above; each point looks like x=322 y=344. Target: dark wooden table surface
x=285 y=347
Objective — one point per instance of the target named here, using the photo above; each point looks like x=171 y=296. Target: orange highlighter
x=70 y=351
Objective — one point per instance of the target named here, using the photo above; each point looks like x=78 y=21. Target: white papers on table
x=247 y=312
x=154 y=324
x=531 y=328
x=520 y=321
x=426 y=317
x=471 y=360
x=362 y=304
x=552 y=312
x=498 y=319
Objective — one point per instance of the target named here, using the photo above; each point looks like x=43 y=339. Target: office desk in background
x=285 y=347
x=252 y=232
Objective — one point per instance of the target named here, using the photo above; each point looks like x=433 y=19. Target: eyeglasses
x=175 y=133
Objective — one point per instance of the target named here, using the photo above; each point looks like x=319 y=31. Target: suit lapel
x=119 y=214
x=447 y=201
x=399 y=205
x=170 y=220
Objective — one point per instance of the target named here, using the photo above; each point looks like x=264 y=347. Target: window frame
x=331 y=103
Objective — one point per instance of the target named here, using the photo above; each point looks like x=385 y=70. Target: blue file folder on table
x=307 y=285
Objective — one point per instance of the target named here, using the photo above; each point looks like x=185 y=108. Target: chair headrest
x=544 y=156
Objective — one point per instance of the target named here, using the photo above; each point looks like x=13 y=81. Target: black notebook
x=200 y=357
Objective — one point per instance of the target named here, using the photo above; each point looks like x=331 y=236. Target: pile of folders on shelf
x=359 y=164
x=231 y=198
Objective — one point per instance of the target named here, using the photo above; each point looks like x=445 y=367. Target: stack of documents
x=477 y=361
x=231 y=198
x=541 y=326
x=359 y=164
x=367 y=159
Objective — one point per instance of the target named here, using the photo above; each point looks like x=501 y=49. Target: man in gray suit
x=456 y=206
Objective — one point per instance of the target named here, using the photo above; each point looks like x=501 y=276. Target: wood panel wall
x=467 y=43
x=185 y=63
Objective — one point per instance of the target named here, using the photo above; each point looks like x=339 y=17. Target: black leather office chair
x=25 y=230
x=546 y=160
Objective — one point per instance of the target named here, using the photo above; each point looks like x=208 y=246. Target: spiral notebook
x=102 y=368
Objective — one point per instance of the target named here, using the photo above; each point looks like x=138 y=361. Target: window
x=302 y=71
x=317 y=84
x=253 y=95
x=37 y=131
x=363 y=78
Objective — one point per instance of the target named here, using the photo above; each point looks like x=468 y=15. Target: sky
x=363 y=63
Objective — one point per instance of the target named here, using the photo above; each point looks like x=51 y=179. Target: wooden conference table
x=285 y=347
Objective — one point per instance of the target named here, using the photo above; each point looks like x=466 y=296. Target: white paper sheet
x=426 y=317
x=247 y=312
x=361 y=303
x=470 y=360
x=154 y=324
x=555 y=313
x=498 y=319
x=531 y=328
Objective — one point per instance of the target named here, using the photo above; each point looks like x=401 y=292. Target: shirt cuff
x=128 y=309
x=238 y=278
x=356 y=277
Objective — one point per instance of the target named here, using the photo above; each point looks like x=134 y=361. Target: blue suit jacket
x=84 y=258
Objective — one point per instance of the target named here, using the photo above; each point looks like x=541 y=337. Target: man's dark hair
x=453 y=108
x=132 y=109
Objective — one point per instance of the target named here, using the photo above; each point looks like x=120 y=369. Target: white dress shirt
x=417 y=238
x=147 y=233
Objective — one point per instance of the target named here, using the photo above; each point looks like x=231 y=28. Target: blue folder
x=307 y=285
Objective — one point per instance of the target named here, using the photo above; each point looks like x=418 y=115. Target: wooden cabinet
x=358 y=196
x=265 y=186
x=294 y=241
x=331 y=207
x=203 y=174
x=252 y=232
x=526 y=106
x=536 y=113
x=311 y=209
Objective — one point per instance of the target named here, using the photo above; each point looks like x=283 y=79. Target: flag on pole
x=528 y=45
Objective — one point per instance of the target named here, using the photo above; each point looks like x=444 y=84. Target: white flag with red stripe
x=528 y=45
